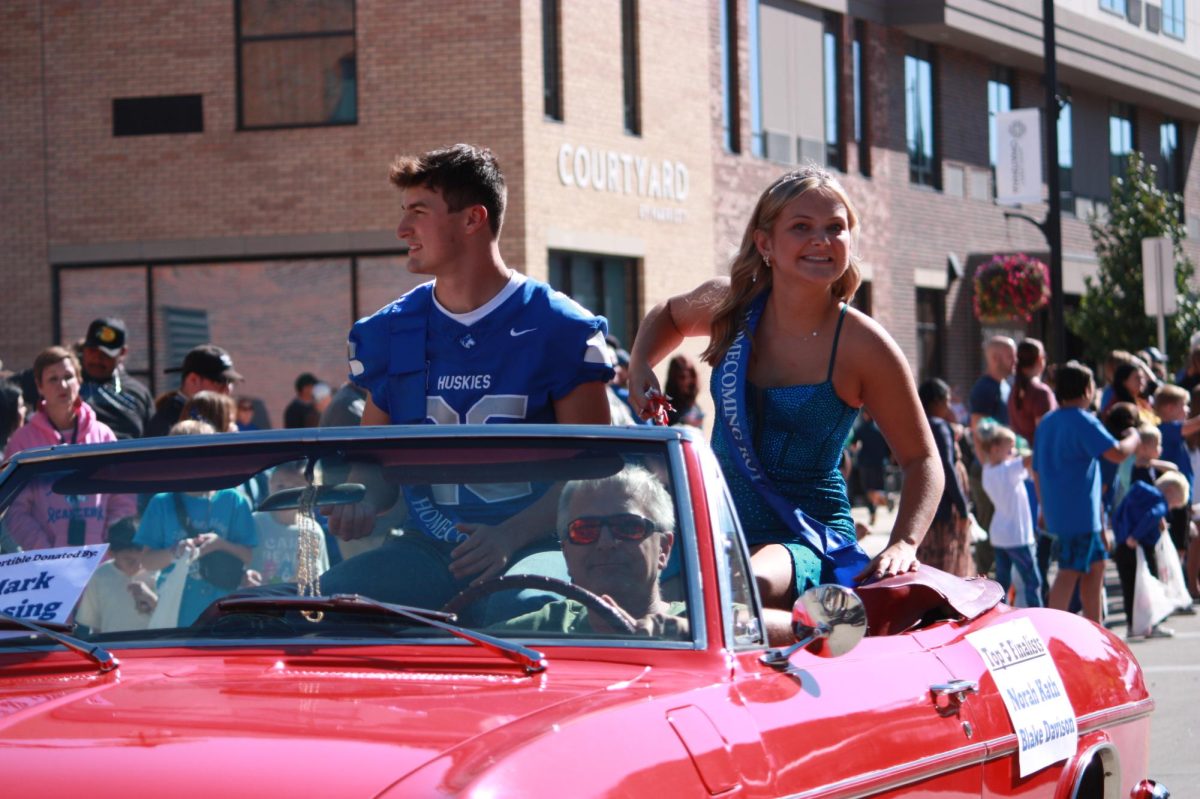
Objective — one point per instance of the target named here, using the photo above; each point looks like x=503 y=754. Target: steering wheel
x=513 y=582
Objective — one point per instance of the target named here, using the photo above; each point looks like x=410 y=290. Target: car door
x=865 y=722
x=993 y=726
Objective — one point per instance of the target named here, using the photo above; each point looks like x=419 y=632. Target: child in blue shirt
x=218 y=524
x=1066 y=464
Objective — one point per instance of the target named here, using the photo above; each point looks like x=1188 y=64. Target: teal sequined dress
x=799 y=433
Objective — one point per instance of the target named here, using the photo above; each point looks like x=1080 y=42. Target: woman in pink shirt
x=41 y=519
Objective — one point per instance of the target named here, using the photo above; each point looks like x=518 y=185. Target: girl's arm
x=887 y=390
x=664 y=328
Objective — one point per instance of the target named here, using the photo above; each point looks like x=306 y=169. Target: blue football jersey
x=509 y=366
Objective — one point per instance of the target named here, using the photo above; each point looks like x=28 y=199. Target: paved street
x=1172 y=671
x=1172 y=668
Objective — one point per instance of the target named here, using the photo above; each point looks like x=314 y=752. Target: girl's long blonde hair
x=749 y=277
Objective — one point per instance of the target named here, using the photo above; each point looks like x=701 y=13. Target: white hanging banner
x=1019 y=156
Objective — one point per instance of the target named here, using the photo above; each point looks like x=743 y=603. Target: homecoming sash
x=841 y=557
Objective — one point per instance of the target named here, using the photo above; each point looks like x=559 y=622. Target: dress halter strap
x=837 y=333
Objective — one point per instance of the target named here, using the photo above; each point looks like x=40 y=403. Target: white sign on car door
x=1032 y=690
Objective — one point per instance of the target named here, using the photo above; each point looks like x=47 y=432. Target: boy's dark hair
x=305 y=380
x=120 y=535
x=1120 y=417
x=1071 y=381
x=465 y=175
x=932 y=391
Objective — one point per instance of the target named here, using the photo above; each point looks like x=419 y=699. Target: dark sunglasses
x=623 y=526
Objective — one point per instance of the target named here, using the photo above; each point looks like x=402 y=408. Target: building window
x=604 y=284
x=831 y=46
x=919 y=116
x=758 y=145
x=730 y=110
x=552 y=60
x=1120 y=138
x=795 y=96
x=1000 y=93
x=1115 y=6
x=296 y=63
x=862 y=298
x=151 y=116
x=1172 y=18
x=931 y=333
x=1066 y=158
x=858 y=64
x=186 y=328
x=629 y=61
x=1171 y=175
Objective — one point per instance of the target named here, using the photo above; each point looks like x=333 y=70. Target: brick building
x=217 y=169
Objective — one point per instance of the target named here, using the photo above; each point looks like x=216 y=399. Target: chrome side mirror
x=829 y=620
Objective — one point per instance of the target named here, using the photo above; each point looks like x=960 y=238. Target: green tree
x=1111 y=313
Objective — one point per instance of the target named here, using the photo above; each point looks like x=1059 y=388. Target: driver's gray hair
x=637 y=482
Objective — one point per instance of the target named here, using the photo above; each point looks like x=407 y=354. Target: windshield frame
x=280 y=446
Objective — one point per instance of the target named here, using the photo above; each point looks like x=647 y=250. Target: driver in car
x=616 y=535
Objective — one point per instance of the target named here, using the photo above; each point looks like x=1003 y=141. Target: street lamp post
x=1052 y=227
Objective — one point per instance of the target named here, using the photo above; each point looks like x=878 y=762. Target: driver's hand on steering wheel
x=654 y=625
x=486 y=552
x=349 y=522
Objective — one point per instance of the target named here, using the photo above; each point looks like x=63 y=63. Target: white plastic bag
x=1150 y=601
x=1170 y=573
x=978 y=534
x=170 y=592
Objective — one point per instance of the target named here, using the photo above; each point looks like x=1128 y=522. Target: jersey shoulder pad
x=371 y=346
x=577 y=343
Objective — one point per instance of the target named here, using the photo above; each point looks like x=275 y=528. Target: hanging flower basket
x=1011 y=288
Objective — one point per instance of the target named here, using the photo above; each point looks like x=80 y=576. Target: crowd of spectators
x=1046 y=480
x=1112 y=477
x=84 y=394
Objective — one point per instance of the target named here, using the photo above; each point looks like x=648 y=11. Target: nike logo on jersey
x=512 y=331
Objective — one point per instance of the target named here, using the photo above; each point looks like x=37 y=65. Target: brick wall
x=26 y=321
x=435 y=73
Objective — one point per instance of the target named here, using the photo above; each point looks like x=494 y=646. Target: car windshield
x=549 y=539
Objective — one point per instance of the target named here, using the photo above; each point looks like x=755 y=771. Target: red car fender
x=1103 y=681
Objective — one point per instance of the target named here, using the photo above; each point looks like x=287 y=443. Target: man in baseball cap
x=205 y=368
x=121 y=402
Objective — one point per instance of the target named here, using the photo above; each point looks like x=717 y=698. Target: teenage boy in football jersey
x=480 y=343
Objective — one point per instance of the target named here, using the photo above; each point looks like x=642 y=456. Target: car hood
x=234 y=726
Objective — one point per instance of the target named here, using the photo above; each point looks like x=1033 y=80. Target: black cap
x=208 y=361
x=107 y=335
x=622 y=357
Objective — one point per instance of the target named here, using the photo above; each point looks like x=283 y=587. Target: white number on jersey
x=486 y=408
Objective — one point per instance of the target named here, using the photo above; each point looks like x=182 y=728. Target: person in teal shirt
x=217 y=524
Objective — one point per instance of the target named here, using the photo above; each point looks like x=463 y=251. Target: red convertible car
x=536 y=611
